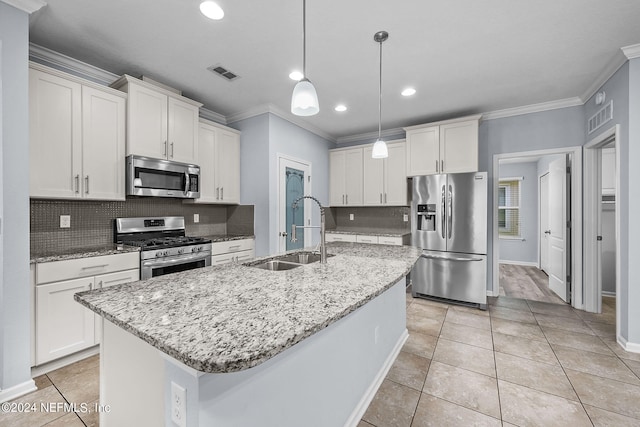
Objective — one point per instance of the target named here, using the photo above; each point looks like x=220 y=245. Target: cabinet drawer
x=361 y=238
x=54 y=271
x=331 y=237
x=218 y=248
x=397 y=241
x=241 y=256
x=112 y=279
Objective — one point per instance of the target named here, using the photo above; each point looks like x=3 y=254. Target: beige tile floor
x=73 y=384
x=521 y=363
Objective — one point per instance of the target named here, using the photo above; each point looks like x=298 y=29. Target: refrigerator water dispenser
x=426 y=220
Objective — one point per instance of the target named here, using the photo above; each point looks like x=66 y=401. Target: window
x=509 y=207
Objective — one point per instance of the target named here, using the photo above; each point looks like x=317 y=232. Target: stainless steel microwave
x=162 y=178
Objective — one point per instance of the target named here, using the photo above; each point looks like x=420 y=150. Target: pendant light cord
x=304 y=39
x=380 y=97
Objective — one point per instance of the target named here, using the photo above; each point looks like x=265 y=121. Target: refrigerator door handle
x=443 y=211
x=449 y=258
x=450 y=212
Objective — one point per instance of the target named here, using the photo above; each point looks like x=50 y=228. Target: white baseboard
x=64 y=361
x=490 y=293
x=629 y=346
x=366 y=399
x=608 y=294
x=17 y=391
x=525 y=263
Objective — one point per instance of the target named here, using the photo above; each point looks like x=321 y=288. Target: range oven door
x=162 y=178
x=158 y=267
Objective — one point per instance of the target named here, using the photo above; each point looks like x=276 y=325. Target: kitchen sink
x=276 y=265
x=288 y=261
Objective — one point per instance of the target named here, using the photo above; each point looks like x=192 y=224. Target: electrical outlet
x=351 y=216
x=405 y=217
x=196 y=218
x=65 y=221
x=178 y=405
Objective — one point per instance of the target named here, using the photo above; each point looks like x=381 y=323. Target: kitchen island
x=307 y=346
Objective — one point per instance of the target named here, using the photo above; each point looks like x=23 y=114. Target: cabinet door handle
x=217 y=193
x=437 y=169
x=100 y=283
x=347 y=196
x=221 y=193
x=380 y=198
x=165 y=148
x=86 y=184
x=343 y=199
x=90 y=286
x=385 y=198
x=77 y=183
x=172 y=150
x=442 y=165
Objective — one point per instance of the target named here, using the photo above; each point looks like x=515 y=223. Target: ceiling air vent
x=601 y=117
x=223 y=72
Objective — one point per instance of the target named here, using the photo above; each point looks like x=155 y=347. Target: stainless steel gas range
x=164 y=247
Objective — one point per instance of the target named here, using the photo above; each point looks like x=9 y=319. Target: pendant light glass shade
x=379 y=150
x=304 y=101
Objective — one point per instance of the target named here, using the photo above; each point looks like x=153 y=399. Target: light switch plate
x=351 y=216
x=196 y=218
x=65 y=221
x=405 y=218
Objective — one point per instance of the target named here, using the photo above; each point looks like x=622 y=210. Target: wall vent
x=601 y=117
x=223 y=72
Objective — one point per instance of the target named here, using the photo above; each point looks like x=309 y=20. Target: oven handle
x=180 y=260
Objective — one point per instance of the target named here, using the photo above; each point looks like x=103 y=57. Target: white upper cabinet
x=77 y=137
x=219 y=161
x=385 y=180
x=449 y=146
x=345 y=177
x=161 y=124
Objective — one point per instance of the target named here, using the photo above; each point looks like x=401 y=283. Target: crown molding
x=207 y=114
x=53 y=59
x=28 y=6
x=632 y=51
x=369 y=135
x=285 y=115
x=533 y=108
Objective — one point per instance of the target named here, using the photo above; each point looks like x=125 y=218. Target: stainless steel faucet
x=294 y=227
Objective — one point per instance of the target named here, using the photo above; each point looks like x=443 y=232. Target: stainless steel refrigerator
x=449 y=222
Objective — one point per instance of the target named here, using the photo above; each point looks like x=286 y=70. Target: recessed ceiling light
x=341 y=107
x=408 y=91
x=211 y=10
x=296 y=75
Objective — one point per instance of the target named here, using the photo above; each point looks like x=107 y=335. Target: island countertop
x=233 y=317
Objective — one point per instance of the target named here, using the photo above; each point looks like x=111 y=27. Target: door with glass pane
x=294 y=182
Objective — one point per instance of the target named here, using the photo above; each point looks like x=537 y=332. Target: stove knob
x=158 y=254
x=181 y=250
x=199 y=248
x=166 y=253
x=194 y=249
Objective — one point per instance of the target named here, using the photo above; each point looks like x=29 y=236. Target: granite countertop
x=384 y=232
x=233 y=317
x=227 y=237
x=110 y=249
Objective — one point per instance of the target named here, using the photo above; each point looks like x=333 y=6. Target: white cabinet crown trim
x=130 y=79
x=445 y=122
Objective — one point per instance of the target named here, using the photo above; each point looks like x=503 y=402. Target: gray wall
x=524 y=250
x=263 y=138
x=537 y=131
x=14 y=199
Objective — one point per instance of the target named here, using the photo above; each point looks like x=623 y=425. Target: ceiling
x=462 y=56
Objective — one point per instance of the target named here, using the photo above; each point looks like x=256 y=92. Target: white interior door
x=294 y=181
x=558 y=226
x=544 y=223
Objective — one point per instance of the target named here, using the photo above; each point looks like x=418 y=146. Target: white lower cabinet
x=62 y=325
x=232 y=251
x=365 y=238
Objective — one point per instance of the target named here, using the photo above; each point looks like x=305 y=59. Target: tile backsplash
x=92 y=221
x=370 y=218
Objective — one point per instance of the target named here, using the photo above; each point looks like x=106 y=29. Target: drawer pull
x=95 y=266
x=231 y=248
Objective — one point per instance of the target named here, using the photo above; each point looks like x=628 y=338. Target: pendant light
x=304 y=101
x=380 y=147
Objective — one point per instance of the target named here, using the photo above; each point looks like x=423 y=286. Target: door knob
x=283 y=234
x=547 y=232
